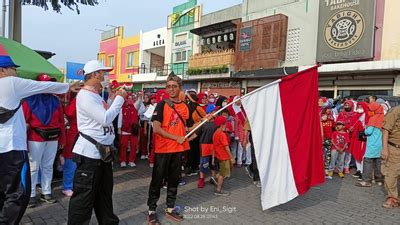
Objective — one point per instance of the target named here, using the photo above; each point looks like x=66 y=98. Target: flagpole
x=231 y=103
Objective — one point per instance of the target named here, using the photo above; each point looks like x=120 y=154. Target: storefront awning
x=267 y=73
x=358 y=67
x=214 y=27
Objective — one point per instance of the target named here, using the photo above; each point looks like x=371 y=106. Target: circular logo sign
x=344 y=29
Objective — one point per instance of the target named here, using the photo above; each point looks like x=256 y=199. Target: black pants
x=93 y=187
x=15 y=186
x=253 y=165
x=166 y=166
x=194 y=154
x=117 y=139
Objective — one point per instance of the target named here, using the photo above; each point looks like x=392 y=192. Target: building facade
x=152 y=60
x=240 y=48
x=213 y=65
x=183 y=44
x=121 y=53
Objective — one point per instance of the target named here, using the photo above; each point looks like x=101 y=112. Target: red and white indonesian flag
x=286 y=131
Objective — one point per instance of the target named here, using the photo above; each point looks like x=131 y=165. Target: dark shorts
x=206 y=164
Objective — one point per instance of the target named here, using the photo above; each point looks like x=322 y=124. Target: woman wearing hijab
x=372 y=157
x=358 y=140
x=349 y=118
x=44 y=117
x=237 y=144
x=221 y=101
x=202 y=100
x=128 y=128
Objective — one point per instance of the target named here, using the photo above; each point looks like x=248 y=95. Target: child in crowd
x=327 y=123
x=128 y=128
x=222 y=153
x=340 y=141
x=206 y=133
x=228 y=125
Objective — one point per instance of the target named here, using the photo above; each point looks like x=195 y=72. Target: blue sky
x=73 y=37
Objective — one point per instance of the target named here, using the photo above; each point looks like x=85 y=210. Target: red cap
x=153 y=96
x=220 y=120
x=114 y=85
x=45 y=77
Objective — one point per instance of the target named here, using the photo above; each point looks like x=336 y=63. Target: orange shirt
x=220 y=141
x=171 y=123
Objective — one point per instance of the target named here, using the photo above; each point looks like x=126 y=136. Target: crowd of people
x=78 y=127
x=96 y=127
x=356 y=135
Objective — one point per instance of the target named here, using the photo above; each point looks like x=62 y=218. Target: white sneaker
x=132 y=164
x=143 y=157
x=67 y=193
x=123 y=165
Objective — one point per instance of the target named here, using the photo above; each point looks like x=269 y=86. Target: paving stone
x=338 y=201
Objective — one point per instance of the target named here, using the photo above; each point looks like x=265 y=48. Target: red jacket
x=56 y=121
x=129 y=117
x=72 y=132
x=349 y=120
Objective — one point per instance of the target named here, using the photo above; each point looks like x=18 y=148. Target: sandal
x=363 y=184
x=391 y=203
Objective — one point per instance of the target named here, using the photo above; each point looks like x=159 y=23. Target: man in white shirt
x=15 y=178
x=93 y=180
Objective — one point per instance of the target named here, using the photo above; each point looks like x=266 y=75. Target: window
x=101 y=57
x=130 y=59
x=181 y=37
x=180 y=56
x=111 y=61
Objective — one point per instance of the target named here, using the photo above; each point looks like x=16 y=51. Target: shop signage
x=221 y=84
x=245 y=39
x=182 y=45
x=110 y=34
x=346 y=30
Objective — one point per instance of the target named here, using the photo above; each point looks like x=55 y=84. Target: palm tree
x=57 y=4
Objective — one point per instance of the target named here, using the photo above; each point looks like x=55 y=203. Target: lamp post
x=110 y=25
x=14 y=22
x=3 y=21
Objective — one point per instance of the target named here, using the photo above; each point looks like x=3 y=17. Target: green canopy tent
x=32 y=64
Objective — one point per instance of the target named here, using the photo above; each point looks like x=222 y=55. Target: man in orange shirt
x=169 y=124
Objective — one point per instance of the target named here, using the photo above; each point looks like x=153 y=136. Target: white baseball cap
x=95 y=65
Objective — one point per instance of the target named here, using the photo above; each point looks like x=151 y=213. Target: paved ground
x=338 y=202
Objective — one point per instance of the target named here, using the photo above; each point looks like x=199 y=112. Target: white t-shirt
x=12 y=91
x=95 y=120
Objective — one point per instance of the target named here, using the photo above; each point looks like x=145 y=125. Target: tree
x=57 y=4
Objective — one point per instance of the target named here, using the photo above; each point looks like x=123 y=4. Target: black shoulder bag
x=107 y=152
x=7 y=114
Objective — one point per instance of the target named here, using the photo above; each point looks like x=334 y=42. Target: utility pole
x=3 y=21
x=14 y=22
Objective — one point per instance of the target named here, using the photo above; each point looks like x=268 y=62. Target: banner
x=75 y=71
